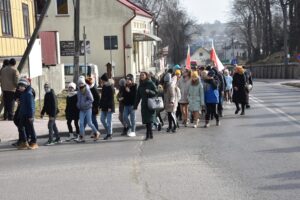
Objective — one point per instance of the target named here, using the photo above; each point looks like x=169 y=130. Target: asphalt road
x=256 y=156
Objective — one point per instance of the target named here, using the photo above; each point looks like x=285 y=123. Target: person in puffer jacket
x=84 y=104
x=211 y=96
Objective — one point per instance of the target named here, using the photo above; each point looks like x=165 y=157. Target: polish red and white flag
x=215 y=59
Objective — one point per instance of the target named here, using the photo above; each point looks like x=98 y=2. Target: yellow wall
x=15 y=45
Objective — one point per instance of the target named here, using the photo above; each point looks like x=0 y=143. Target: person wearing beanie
x=211 y=94
x=9 y=77
x=96 y=102
x=107 y=105
x=120 y=99
x=51 y=109
x=129 y=96
x=196 y=97
x=26 y=116
x=85 y=101
x=72 y=112
x=239 y=95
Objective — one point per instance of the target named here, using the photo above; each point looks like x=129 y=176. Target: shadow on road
x=282 y=150
x=292 y=186
x=280 y=135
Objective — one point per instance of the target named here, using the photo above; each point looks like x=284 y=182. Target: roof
x=138 y=10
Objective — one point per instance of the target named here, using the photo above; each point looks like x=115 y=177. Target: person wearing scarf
x=72 y=112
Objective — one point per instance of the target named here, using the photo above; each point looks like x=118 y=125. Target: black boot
x=148 y=127
x=125 y=130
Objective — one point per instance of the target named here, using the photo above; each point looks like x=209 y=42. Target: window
x=5 y=15
x=26 y=20
x=62 y=7
x=110 y=42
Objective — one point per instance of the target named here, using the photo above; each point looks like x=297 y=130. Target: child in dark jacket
x=72 y=112
x=26 y=116
x=51 y=109
x=211 y=94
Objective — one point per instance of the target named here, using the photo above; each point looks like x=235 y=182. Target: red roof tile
x=138 y=10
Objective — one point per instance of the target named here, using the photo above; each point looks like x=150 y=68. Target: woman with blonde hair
x=195 y=97
x=239 y=91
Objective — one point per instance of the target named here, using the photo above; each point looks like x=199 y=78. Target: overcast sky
x=208 y=10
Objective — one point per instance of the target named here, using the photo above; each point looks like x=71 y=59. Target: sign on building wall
x=35 y=60
x=67 y=48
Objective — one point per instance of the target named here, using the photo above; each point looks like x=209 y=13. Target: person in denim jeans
x=84 y=104
x=107 y=105
x=129 y=96
x=51 y=109
x=26 y=116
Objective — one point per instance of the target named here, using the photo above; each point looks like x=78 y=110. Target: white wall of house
x=103 y=18
x=202 y=56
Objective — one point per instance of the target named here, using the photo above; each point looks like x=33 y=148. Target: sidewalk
x=8 y=130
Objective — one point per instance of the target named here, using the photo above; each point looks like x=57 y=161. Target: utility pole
x=85 y=54
x=76 y=39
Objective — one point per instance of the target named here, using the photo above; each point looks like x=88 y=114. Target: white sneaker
x=131 y=134
x=71 y=137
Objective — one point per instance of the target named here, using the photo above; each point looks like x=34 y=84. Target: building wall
x=105 y=18
x=201 y=60
x=101 y=19
x=14 y=46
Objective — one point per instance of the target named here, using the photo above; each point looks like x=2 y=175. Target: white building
x=119 y=24
x=201 y=56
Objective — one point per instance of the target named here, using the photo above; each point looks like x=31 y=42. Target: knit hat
x=72 y=85
x=81 y=81
x=177 y=67
x=195 y=74
x=104 y=77
x=130 y=77
x=24 y=82
x=167 y=78
x=122 y=82
x=177 y=72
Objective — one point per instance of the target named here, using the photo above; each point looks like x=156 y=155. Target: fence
x=276 y=71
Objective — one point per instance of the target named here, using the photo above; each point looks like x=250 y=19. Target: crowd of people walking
x=184 y=95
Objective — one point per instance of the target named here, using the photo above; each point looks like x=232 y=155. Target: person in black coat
x=222 y=87
x=107 y=105
x=51 y=109
x=239 y=91
x=129 y=96
x=72 y=112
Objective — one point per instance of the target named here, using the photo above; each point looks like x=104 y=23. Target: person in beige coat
x=9 y=77
x=170 y=102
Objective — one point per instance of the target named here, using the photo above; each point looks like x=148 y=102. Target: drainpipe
x=124 y=39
